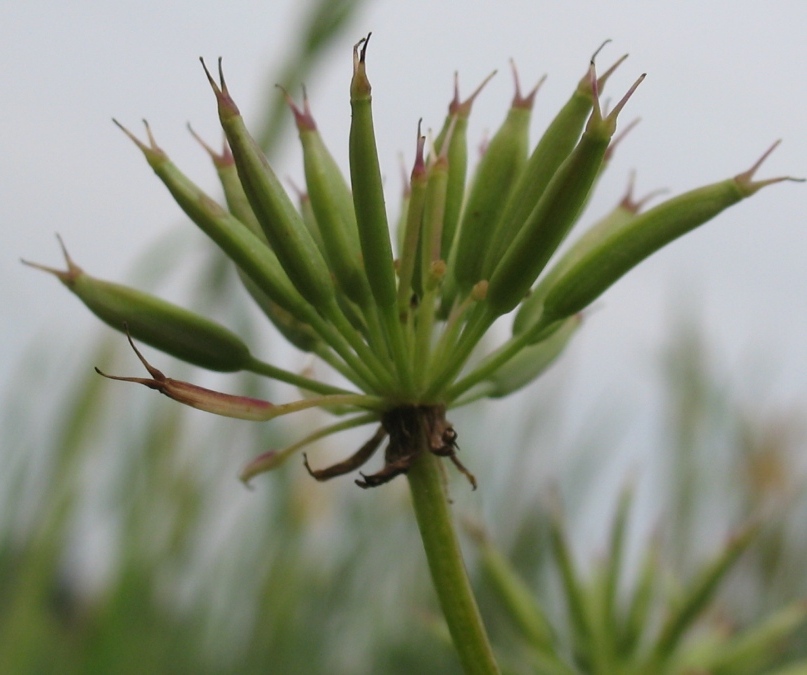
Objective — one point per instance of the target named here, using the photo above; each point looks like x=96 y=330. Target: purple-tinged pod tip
x=454 y=106
x=419 y=169
x=484 y=142
x=463 y=108
x=602 y=79
x=225 y=102
x=618 y=107
x=520 y=100
x=264 y=462
x=154 y=153
x=68 y=276
x=360 y=85
x=302 y=117
x=221 y=159
x=745 y=180
x=207 y=400
x=585 y=84
x=633 y=205
x=360 y=50
x=302 y=195
x=597 y=120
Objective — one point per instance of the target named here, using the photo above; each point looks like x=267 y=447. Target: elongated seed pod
x=161 y=324
x=457 y=120
x=307 y=213
x=556 y=212
x=298 y=333
x=201 y=398
x=332 y=204
x=237 y=201
x=624 y=248
x=403 y=208
x=530 y=310
x=547 y=225
x=229 y=405
x=555 y=145
x=414 y=220
x=368 y=189
x=455 y=189
x=458 y=115
x=495 y=176
x=245 y=249
x=531 y=361
x=609 y=154
x=433 y=212
x=280 y=221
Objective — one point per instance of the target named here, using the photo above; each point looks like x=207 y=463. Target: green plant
x=402 y=335
x=645 y=624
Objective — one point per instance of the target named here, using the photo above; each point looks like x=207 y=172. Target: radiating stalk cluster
x=639 y=623
x=398 y=328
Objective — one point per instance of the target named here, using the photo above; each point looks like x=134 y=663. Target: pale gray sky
x=721 y=86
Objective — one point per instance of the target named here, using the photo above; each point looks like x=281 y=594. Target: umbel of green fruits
x=397 y=324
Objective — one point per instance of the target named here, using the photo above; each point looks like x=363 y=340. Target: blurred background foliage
x=128 y=545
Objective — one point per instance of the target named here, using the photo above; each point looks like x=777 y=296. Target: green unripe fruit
x=587 y=277
x=159 y=323
x=280 y=221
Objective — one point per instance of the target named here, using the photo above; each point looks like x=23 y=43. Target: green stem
x=474 y=330
x=268 y=370
x=448 y=571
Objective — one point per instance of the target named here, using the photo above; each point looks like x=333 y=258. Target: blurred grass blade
x=699 y=593
x=514 y=594
x=638 y=611
x=753 y=649
x=573 y=590
x=326 y=22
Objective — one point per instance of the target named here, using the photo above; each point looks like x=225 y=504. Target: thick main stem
x=447 y=567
